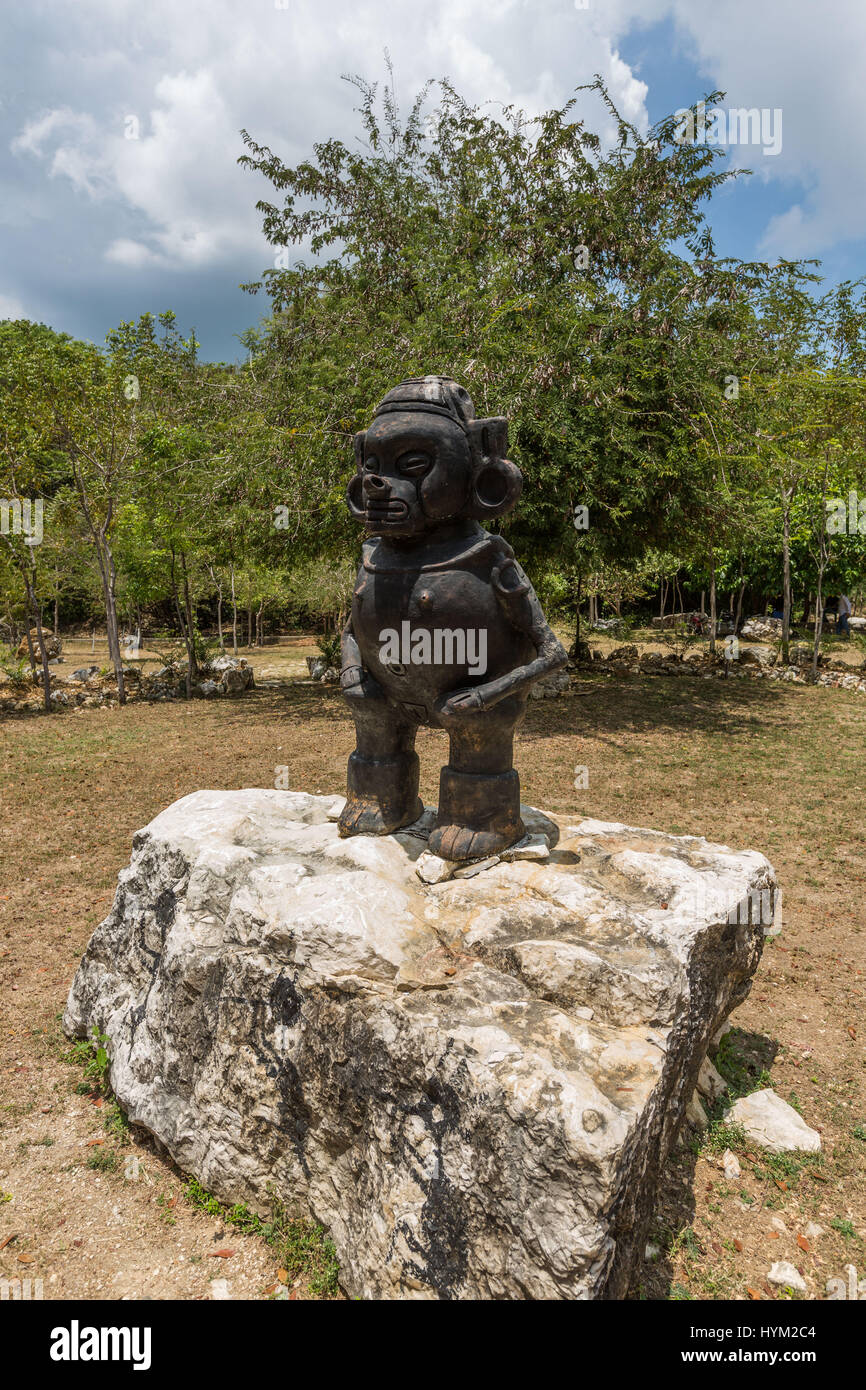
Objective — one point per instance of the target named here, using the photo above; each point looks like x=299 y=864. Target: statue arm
x=520 y=603
x=351 y=666
x=355 y=680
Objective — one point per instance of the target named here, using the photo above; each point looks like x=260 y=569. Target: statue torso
x=434 y=590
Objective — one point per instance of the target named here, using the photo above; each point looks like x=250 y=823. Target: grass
x=103 y=1160
x=757 y=765
x=845 y=1227
x=302 y=1247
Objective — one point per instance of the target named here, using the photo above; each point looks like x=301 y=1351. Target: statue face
x=415 y=474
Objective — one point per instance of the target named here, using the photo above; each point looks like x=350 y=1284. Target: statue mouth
x=383 y=513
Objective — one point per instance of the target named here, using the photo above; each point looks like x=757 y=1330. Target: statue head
x=426 y=461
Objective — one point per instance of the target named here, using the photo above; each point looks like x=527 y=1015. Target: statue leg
x=479 y=791
x=382 y=780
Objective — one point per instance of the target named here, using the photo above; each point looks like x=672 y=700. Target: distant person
x=843 y=611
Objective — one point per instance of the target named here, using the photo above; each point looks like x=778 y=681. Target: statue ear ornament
x=496 y=481
x=354 y=493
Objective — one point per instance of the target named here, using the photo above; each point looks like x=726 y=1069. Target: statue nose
x=375 y=486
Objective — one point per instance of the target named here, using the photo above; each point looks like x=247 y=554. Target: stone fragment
x=786 y=1276
x=710 y=1084
x=530 y=847
x=716 y=1039
x=470 y=870
x=431 y=869
x=696 y=1115
x=773 y=1123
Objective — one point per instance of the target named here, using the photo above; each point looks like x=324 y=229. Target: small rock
x=431 y=869
x=710 y=1083
x=695 y=1113
x=624 y=654
x=530 y=847
x=778 y=1225
x=771 y=1122
x=652 y=1250
x=787 y=1276
x=470 y=870
x=813 y=1231
x=731 y=1165
x=583 y=1012
x=550 y=686
x=219 y=1290
x=719 y=1034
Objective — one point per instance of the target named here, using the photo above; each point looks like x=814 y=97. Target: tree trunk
x=40 y=637
x=219 y=589
x=822 y=558
x=181 y=623
x=29 y=638
x=712 y=606
x=234 y=616
x=738 y=616
x=786 y=575
x=192 y=659
x=108 y=575
x=250 y=626
x=577 y=615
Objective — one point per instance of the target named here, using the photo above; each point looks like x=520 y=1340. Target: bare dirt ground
x=772 y=768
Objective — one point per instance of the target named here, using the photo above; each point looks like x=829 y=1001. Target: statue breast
x=422 y=632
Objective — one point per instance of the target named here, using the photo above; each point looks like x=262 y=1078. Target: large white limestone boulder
x=473 y=1084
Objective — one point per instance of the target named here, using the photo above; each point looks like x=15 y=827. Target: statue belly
x=444 y=605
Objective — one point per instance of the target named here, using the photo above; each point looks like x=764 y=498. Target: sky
x=120 y=190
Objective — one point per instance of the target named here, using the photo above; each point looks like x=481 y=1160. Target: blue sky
x=96 y=227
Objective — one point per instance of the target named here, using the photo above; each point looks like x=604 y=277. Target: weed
x=103 y=1160
x=116 y=1122
x=303 y=1247
x=721 y=1136
x=844 y=1227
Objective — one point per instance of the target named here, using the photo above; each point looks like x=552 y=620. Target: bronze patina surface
x=445 y=628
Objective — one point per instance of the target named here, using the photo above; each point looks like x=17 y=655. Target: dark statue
x=445 y=628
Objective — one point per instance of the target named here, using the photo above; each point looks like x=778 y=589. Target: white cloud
x=193 y=74
x=806 y=59
x=203 y=70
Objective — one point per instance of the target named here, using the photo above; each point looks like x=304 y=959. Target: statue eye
x=371 y=464
x=414 y=465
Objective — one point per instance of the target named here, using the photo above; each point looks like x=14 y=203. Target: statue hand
x=358 y=684
x=459 y=704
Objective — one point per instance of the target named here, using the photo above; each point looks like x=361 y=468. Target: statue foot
x=382 y=794
x=461 y=842
x=479 y=814
x=365 y=816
